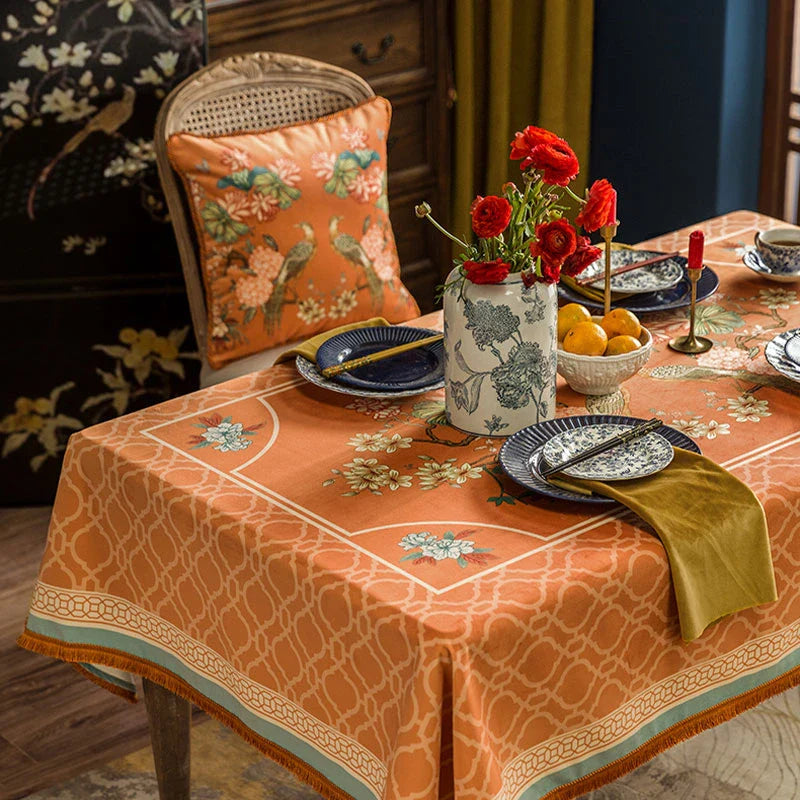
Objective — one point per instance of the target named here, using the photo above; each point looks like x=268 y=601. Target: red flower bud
x=598 y=206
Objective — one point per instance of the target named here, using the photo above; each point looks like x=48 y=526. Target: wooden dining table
x=358 y=590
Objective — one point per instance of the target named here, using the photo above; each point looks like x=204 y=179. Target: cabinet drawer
x=389 y=35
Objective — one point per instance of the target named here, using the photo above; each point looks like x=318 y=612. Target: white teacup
x=779 y=249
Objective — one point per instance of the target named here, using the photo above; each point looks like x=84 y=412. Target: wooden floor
x=54 y=724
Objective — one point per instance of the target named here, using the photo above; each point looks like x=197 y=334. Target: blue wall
x=676 y=110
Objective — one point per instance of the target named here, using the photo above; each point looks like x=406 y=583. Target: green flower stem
x=447 y=233
x=581 y=200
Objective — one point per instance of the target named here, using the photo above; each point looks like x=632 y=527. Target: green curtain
x=517 y=63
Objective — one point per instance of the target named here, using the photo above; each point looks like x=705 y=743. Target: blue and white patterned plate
x=644 y=456
x=414 y=369
x=778 y=356
x=654 y=278
x=678 y=296
x=753 y=261
x=308 y=369
x=521 y=454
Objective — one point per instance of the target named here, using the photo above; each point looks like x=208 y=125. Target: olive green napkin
x=713 y=529
x=308 y=348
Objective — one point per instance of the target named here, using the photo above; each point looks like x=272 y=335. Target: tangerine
x=622 y=344
x=586 y=339
x=621 y=322
x=569 y=316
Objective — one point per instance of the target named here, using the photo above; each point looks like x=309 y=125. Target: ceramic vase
x=500 y=355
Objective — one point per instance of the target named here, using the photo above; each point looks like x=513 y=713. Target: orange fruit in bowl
x=621 y=322
x=622 y=344
x=569 y=316
x=586 y=339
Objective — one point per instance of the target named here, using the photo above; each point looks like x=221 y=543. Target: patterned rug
x=753 y=757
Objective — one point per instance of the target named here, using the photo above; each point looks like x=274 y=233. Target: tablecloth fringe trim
x=126 y=694
x=703 y=721
x=109 y=657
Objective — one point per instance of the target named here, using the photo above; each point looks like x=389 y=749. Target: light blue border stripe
x=128 y=644
x=666 y=720
x=98 y=670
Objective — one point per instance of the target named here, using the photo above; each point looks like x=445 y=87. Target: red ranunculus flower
x=550 y=272
x=486 y=271
x=525 y=141
x=594 y=213
x=585 y=254
x=490 y=216
x=555 y=241
x=556 y=160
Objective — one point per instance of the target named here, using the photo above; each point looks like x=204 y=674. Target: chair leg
x=169 y=717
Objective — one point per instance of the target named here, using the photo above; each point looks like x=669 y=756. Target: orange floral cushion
x=293 y=228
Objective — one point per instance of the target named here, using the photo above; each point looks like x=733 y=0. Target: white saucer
x=752 y=260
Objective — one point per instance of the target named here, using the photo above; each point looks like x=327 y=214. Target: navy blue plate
x=676 y=297
x=521 y=454
x=414 y=369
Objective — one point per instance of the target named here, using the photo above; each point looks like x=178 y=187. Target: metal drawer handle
x=360 y=51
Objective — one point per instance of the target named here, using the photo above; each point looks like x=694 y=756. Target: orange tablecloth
x=357 y=589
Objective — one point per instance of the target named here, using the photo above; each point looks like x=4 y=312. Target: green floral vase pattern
x=500 y=355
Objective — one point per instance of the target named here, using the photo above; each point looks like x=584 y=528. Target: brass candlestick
x=608 y=232
x=692 y=343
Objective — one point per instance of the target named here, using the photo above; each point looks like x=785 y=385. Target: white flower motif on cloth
x=344 y=304
x=224 y=435
x=778 y=298
x=715 y=429
x=746 y=408
x=697 y=429
x=355 y=137
x=322 y=165
x=412 y=540
x=425 y=548
x=386 y=266
x=377 y=409
x=310 y=311
x=235 y=159
x=148 y=75
x=432 y=474
x=379 y=442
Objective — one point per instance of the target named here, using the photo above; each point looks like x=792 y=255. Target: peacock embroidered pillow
x=293 y=229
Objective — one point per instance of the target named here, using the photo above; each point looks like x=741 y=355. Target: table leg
x=169 y=717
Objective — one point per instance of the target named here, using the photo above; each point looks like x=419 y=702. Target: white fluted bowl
x=603 y=374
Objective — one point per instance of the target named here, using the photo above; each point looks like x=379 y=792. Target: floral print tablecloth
x=357 y=589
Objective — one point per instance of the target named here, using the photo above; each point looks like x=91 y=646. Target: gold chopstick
x=629 y=267
x=346 y=366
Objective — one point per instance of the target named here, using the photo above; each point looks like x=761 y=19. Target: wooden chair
x=240 y=93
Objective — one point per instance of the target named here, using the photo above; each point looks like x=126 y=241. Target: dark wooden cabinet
x=402 y=48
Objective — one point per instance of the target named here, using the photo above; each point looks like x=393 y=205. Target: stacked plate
x=657 y=287
x=525 y=454
x=404 y=375
x=783 y=353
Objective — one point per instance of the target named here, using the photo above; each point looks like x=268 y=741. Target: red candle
x=612 y=212
x=696 y=240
